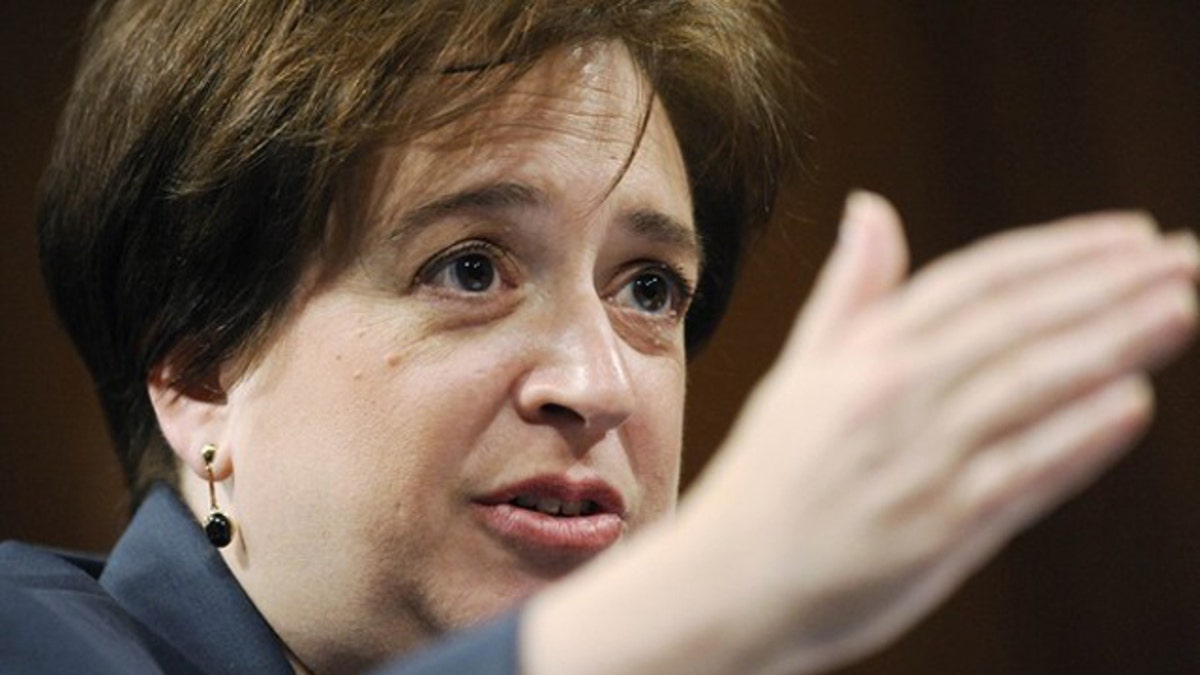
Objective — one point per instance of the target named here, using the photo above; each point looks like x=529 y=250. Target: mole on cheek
x=392 y=360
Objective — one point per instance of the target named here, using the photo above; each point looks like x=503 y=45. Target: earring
x=217 y=525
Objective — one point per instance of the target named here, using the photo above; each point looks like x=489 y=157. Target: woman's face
x=492 y=393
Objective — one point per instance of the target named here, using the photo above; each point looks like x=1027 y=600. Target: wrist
x=669 y=603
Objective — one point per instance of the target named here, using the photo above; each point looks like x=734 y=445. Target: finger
x=1025 y=475
x=1016 y=391
x=1005 y=321
x=869 y=261
x=996 y=263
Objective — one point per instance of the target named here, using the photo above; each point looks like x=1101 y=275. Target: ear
x=191 y=416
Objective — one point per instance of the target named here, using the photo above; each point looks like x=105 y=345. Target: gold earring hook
x=208 y=453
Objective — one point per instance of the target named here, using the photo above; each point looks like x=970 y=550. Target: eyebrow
x=653 y=225
x=662 y=228
x=493 y=196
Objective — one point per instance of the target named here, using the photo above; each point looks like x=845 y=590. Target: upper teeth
x=556 y=507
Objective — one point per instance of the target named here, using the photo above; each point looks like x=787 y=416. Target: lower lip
x=528 y=529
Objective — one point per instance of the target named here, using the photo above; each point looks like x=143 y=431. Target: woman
x=396 y=302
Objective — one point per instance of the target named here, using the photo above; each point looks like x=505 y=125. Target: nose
x=579 y=376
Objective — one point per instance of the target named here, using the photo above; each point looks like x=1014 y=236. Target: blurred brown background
x=972 y=116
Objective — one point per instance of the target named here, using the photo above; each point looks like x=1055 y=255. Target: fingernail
x=1185 y=246
x=857 y=203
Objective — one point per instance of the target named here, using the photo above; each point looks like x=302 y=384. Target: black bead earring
x=217 y=525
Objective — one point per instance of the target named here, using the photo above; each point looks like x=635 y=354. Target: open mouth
x=559 y=497
x=552 y=513
x=557 y=507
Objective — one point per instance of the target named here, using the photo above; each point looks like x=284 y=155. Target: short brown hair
x=203 y=141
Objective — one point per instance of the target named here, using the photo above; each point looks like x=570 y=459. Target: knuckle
x=1180 y=311
x=881 y=380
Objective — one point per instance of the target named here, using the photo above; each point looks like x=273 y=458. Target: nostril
x=562 y=412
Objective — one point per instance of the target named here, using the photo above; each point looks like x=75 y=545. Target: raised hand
x=907 y=431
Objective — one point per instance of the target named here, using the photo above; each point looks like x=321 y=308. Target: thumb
x=868 y=262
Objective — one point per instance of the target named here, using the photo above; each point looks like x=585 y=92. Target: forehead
x=582 y=126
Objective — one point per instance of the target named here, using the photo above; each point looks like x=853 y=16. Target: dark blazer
x=164 y=602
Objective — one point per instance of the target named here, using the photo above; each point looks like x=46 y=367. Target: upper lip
x=606 y=498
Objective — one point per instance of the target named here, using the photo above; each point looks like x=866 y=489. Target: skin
x=942 y=412
x=392 y=396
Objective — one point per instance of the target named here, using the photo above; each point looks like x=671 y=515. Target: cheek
x=361 y=414
x=655 y=438
x=421 y=406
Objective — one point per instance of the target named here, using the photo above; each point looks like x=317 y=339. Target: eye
x=469 y=269
x=473 y=272
x=657 y=291
x=650 y=292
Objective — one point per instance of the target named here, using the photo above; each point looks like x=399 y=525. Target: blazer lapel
x=165 y=574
